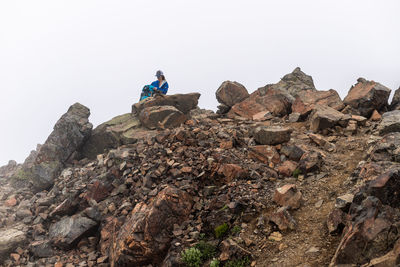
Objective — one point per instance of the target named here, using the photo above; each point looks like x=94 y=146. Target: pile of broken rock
x=140 y=189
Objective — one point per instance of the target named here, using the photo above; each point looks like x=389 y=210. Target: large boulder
x=145 y=237
x=272 y=135
x=390 y=122
x=230 y=93
x=366 y=96
x=70 y=133
x=120 y=130
x=183 y=102
x=387 y=149
x=69 y=230
x=307 y=99
x=264 y=100
x=10 y=239
x=161 y=117
x=324 y=117
x=395 y=105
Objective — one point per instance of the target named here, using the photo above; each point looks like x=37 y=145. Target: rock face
x=366 y=96
x=70 y=133
x=272 y=135
x=145 y=237
x=395 y=105
x=9 y=169
x=230 y=93
x=10 y=239
x=161 y=117
x=306 y=101
x=390 y=122
x=324 y=117
x=183 y=102
x=120 y=130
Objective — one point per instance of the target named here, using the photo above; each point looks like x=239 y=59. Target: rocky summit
x=287 y=175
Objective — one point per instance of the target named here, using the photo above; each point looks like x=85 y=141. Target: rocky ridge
x=170 y=184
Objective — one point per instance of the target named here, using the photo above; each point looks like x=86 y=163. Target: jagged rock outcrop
x=183 y=102
x=145 y=237
x=120 y=130
x=306 y=100
x=366 y=96
x=70 y=133
x=8 y=170
x=230 y=93
x=395 y=105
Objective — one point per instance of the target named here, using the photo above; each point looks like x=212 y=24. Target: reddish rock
x=375 y=116
x=392 y=258
x=11 y=202
x=310 y=161
x=288 y=196
x=263 y=101
x=307 y=99
x=232 y=172
x=283 y=219
x=368 y=235
x=287 y=168
x=145 y=237
x=230 y=93
x=265 y=154
x=366 y=96
x=321 y=141
x=97 y=191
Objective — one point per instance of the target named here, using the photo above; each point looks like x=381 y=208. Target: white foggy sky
x=101 y=53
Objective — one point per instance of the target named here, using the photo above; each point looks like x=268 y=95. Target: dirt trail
x=311 y=233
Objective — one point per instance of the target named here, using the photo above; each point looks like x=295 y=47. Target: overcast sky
x=101 y=53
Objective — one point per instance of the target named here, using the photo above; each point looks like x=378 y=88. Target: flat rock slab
x=324 y=117
x=307 y=99
x=272 y=135
x=161 y=117
x=390 y=122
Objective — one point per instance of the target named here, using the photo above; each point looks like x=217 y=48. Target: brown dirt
x=311 y=229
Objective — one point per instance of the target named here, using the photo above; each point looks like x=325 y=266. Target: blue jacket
x=164 y=87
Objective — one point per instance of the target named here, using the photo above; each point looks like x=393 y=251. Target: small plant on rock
x=191 y=257
x=207 y=250
x=238 y=263
x=236 y=229
x=296 y=173
x=221 y=230
x=214 y=263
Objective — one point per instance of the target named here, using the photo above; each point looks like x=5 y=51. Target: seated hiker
x=159 y=86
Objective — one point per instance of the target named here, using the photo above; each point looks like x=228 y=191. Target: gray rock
x=10 y=239
x=272 y=135
x=324 y=117
x=344 y=202
x=390 y=122
x=294 y=117
x=41 y=249
x=395 y=105
x=69 y=230
x=118 y=131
